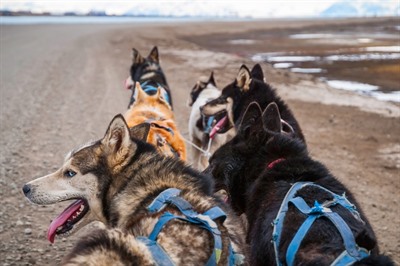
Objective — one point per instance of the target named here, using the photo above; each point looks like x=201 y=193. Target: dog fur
x=203 y=91
x=164 y=133
x=147 y=70
x=240 y=167
x=115 y=179
x=249 y=87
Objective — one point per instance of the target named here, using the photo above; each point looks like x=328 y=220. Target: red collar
x=273 y=163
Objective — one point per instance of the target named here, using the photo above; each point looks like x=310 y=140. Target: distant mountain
x=209 y=8
x=361 y=9
x=186 y=8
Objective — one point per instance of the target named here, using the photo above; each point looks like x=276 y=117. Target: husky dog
x=152 y=204
x=147 y=71
x=204 y=91
x=298 y=212
x=235 y=97
x=154 y=109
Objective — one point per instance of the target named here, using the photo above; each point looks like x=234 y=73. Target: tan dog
x=155 y=110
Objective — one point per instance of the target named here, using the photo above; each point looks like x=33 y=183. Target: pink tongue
x=218 y=126
x=62 y=219
x=128 y=83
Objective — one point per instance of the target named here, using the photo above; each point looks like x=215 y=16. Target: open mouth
x=64 y=223
x=222 y=125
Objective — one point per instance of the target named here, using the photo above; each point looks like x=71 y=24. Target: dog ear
x=117 y=138
x=243 y=78
x=160 y=96
x=154 y=54
x=211 y=80
x=140 y=131
x=272 y=118
x=252 y=113
x=136 y=57
x=140 y=94
x=257 y=72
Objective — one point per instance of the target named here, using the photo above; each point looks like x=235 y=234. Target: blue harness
x=207 y=124
x=352 y=253
x=150 y=88
x=205 y=220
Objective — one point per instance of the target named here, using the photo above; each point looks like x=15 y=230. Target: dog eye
x=69 y=173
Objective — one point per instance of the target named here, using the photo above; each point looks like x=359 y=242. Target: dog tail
x=375 y=260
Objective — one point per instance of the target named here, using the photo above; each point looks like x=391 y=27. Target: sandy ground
x=61 y=86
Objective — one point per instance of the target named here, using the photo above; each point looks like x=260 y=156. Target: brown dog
x=155 y=110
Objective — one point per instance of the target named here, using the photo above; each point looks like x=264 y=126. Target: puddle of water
x=343 y=36
x=364 y=88
x=294 y=58
x=351 y=85
x=362 y=57
x=391 y=96
x=312 y=36
x=242 y=41
x=395 y=49
x=307 y=70
x=364 y=40
x=343 y=57
x=282 y=65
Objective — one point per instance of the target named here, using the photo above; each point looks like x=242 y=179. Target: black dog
x=258 y=167
x=147 y=71
x=248 y=87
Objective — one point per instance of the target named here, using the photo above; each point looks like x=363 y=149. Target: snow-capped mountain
x=212 y=8
x=357 y=8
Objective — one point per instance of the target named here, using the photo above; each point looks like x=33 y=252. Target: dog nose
x=26 y=189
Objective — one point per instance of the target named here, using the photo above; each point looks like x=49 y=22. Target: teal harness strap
x=278 y=222
x=314 y=213
x=205 y=221
x=149 y=88
x=158 y=253
x=352 y=253
x=207 y=124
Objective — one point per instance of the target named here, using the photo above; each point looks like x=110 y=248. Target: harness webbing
x=157 y=252
x=147 y=87
x=205 y=220
x=352 y=252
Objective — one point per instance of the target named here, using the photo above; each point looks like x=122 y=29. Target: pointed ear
x=252 y=113
x=158 y=93
x=140 y=131
x=272 y=119
x=136 y=57
x=139 y=93
x=257 y=72
x=211 y=80
x=243 y=78
x=154 y=54
x=117 y=139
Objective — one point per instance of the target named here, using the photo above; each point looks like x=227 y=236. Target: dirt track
x=61 y=85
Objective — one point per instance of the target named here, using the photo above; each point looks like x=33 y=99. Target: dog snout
x=26 y=189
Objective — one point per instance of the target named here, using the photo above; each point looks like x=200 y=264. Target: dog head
x=86 y=177
x=155 y=110
x=226 y=106
x=145 y=68
x=201 y=85
x=235 y=165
